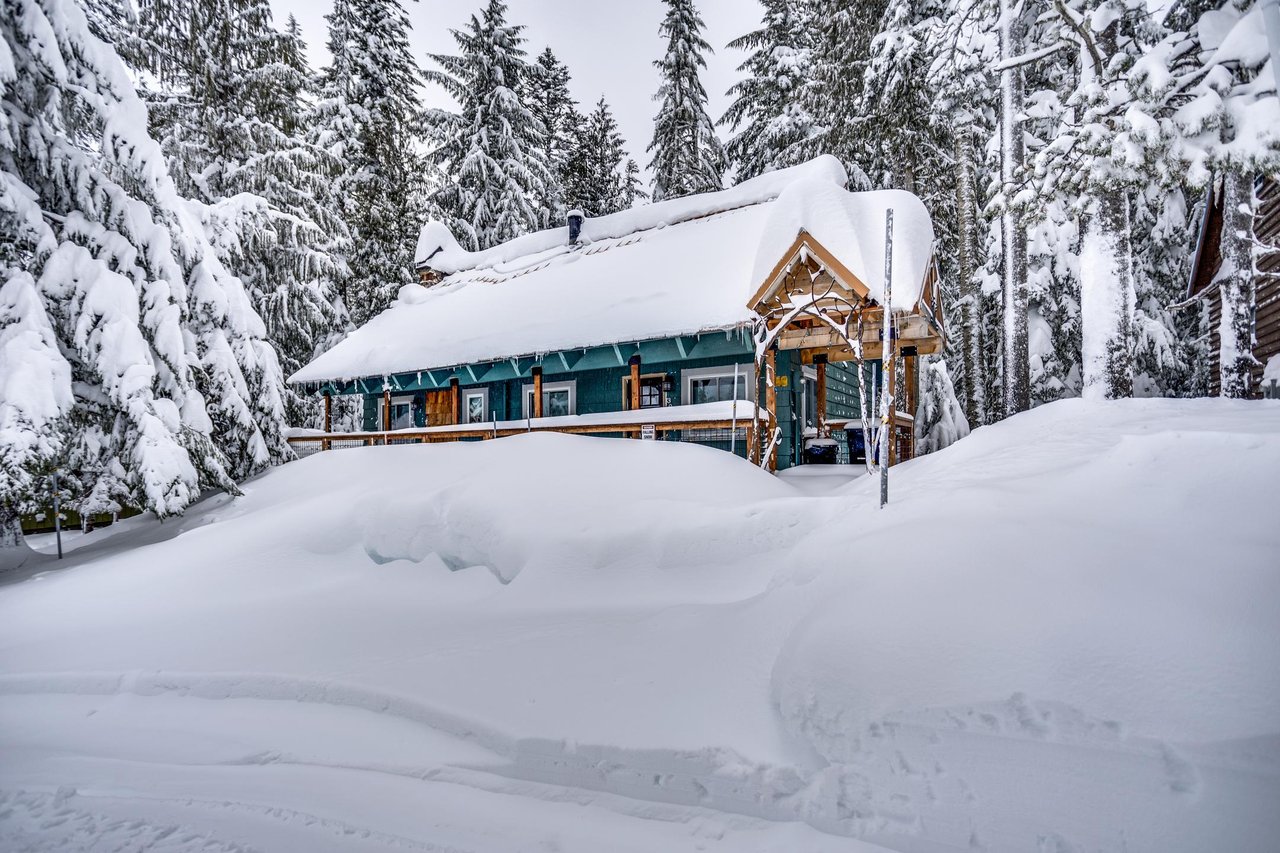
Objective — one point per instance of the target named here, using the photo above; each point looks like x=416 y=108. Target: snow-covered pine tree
x=546 y=91
x=963 y=48
x=130 y=351
x=366 y=120
x=632 y=185
x=940 y=420
x=231 y=109
x=1228 y=117
x=599 y=181
x=490 y=153
x=768 y=116
x=688 y=157
x=832 y=94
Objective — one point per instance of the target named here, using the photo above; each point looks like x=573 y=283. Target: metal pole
x=57 y=515
x=733 y=430
x=886 y=359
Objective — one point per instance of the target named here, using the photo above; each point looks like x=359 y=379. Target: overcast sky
x=609 y=46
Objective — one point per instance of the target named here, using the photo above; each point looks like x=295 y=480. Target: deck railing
x=703 y=422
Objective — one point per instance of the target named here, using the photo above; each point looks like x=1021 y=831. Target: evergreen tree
x=365 y=120
x=603 y=179
x=134 y=361
x=546 y=91
x=496 y=180
x=687 y=155
x=231 y=109
x=768 y=114
x=834 y=90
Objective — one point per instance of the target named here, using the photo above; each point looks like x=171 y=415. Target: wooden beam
x=386 y=409
x=537 y=392
x=454 y=400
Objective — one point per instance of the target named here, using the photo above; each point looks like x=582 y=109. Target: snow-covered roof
x=678 y=267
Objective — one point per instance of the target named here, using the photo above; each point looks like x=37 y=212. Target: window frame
x=396 y=400
x=526 y=396
x=483 y=394
x=689 y=375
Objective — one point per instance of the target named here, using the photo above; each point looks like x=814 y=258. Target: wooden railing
x=311 y=442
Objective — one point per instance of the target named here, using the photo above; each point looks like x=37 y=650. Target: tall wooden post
x=820 y=401
x=891 y=382
x=633 y=403
x=454 y=399
x=635 y=382
x=328 y=418
x=771 y=405
x=910 y=393
x=537 y=392
x=386 y=409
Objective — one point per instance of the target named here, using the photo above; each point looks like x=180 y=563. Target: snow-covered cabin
x=655 y=321
x=1265 y=375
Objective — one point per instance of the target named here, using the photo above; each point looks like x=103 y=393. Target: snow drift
x=1059 y=635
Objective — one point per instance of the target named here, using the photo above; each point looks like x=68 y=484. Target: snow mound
x=1060 y=634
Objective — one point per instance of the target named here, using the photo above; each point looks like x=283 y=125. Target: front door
x=651 y=396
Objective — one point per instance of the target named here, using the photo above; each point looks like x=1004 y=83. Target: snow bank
x=1059 y=635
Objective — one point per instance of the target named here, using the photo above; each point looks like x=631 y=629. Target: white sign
x=648 y=432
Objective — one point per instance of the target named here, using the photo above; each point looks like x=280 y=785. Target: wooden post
x=820 y=364
x=891 y=382
x=328 y=418
x=386 y=410
x=454 y=399
x=635 y=381
x=911 y=393
x=634 y=402
x=537 y=392
x=771 y=404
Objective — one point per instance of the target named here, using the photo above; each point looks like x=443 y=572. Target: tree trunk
x=1236 y=286
x=1017 y=367
x=1107 y=300
x=13 y=548
x=970 y=319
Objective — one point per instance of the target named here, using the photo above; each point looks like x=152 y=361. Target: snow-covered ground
x=1061 y=635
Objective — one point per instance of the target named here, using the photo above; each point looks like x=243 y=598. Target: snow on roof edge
x=298 y=379
x=438 y=249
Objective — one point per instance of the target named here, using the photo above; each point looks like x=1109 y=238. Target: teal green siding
x=599 y=372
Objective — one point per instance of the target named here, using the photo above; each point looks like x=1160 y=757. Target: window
x=401 y=412
x=651 y=392
x=809 y=398
x=475 y=406
x=712 y=384
x=558 y=399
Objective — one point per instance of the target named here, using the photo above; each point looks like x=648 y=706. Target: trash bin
x=820 y=451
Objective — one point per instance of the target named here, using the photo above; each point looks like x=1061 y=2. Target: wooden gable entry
x=813 y=303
